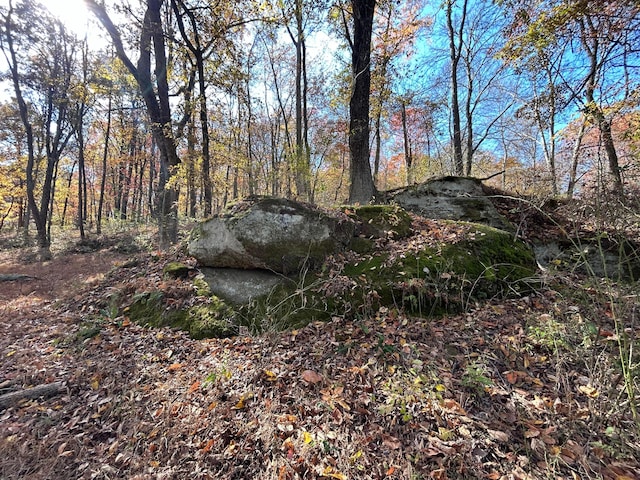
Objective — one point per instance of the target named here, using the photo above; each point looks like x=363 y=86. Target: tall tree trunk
x=575 y=156
x=362 y=189
x=589 y=33
x=105 y=156
x=455 y=51
x=408 y=154
x=156 y=98
x=43 y=239
x=376 y=160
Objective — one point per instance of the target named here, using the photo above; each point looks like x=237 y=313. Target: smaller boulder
x=450 y=198
x=240 y=287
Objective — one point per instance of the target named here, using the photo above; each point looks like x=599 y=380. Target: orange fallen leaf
x=194 y=386
x=175 y=366
x=208 y=446
x=391 y=471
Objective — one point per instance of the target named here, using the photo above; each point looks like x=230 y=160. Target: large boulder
x=450 y=198
x=270 y=234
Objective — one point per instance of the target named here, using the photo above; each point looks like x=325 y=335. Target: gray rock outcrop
x=450 y=198
x=273 y=234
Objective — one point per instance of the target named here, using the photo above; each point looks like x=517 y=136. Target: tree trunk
x=455 y=54
x=156 y=99
x=408 y=154
x=362 y=189
x=105 y=156
x=590 y=34
x=575 y=156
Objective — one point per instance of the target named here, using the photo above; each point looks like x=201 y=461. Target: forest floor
x=523 y=388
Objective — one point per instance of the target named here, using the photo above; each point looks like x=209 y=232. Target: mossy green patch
x=176 y=270
x=214 y=319
x=445 y=278
x=381 y=221
x=148 y=309
x=290 y=305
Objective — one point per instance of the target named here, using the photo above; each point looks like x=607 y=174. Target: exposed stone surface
x=261 y=260
x=450 y=198
x=240 y=286
x=271 y=234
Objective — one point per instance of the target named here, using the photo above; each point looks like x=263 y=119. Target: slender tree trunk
x=455 y=54
x=66 y=197
x=376 y=160
x=156 y=98
x=590 y=34
x=43 y=239
x=105 y=156
x=408 y=154
x=362 y=189
x=575 y=156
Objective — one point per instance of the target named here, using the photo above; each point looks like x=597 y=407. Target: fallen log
x=12 y=277
x=47 y=390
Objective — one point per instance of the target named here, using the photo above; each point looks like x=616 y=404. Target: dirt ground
x=61 y=277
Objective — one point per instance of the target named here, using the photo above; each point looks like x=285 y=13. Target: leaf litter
x=499 y=392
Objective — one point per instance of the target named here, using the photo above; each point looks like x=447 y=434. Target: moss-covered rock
x=214 y=319
x=451 y=198
x=148 y=309
x=381 y=221
x=445 y=277
x=177 y=270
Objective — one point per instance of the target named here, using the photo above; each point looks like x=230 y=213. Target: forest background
x=172 y=109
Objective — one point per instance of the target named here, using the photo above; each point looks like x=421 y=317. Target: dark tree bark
x=156 y=98
x=362 y=189
x=199 y=52
x=455 y=53
x=56 y=129
x=591 y=43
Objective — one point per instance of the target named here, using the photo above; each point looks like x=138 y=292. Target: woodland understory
x=541 y=386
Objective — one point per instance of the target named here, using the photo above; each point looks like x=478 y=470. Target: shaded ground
x=523 y=388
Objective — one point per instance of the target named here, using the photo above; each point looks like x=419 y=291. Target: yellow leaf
x=306 y=437
x=440 y=388
x=271 y=377
x=242 y=401
x=589 y=391
x=331 y=473
x=95 y=382
x=445 y=434
x=11 y=353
